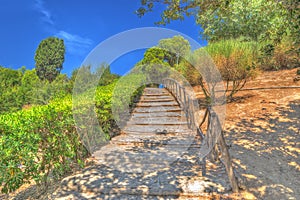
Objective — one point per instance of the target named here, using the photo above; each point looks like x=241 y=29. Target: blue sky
x=82 y=25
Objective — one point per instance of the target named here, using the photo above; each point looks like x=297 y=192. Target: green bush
x=280 y=56
x=235 y=60
x=127 y=91
x=38 y=143
x=103 y=101
x=42 y=143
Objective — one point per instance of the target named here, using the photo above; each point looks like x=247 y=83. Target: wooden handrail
x=185 y=101
x=214 y=133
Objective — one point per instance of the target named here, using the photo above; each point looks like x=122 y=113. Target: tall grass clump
x=235 y=60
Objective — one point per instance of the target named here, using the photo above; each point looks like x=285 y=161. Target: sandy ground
x=262 y=127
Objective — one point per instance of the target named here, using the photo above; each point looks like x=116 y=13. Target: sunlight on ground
x=249 y=176
x=262 y=190
x=238 y=162
x=250 y=144
x=294 y=164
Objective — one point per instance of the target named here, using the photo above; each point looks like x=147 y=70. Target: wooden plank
x=154 y=128
x=159 y=114
x=157 y=103
x=156 y=122
x=156 y=99
x=156 y=109
x=156 y=94
x=159 y=118
x=169 y=96
x=169 y=139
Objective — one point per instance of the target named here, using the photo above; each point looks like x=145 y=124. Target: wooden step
x=157 y=100
x=157 y=109
x=159 y=114
x=153 y=128
x=156 y=95
x=157 y=103
x=149 y=97
x=158 y=118
x=156 y=122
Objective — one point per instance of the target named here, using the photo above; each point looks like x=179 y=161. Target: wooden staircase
x=155 y=136
x=155 y=157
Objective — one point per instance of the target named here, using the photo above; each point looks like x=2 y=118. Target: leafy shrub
x=37 y=143
x=103 y=101
x=42 y=142
x=23 y=87
x=280 y=56
x=189 y=72
x=235 y=60
x=127 y=91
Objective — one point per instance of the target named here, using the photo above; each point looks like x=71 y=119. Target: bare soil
x=263 y=128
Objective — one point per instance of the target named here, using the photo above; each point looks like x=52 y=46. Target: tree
x=10 y=98
x=106 y=76
x=175 y=49
x=30 y=84
x=293 y=14
x=49 y=58
x=228 y=19
x=154 y=55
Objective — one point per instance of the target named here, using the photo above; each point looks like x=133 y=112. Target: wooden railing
x=185 y=101
x=213 y=143
x=214 y=137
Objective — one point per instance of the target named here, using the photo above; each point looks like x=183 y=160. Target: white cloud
x=46 y=15
x=75 y=44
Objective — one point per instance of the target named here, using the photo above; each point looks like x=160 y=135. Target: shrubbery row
x=42 y=143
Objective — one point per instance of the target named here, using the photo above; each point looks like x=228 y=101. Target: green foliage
x=106 y=77
x=154 y=65
x=10 y=97
x=174 y=9
x=258 y=19
x=41 y=143
x=154 y=55
x=88 y=79
x=169 y=51
x=103 y=101
x=41 y=92
x=235 y=60
x=280 y=56
x=38 y=143
x=157 y=60
x=49 y=58
x=190 y=73
x=9 y=77
x=176 y=48
x=30 y=83
x=274 y=24
x=128 y=90
x=293 y=15
x=255 y=20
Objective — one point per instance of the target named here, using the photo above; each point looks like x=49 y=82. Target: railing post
x=180 y=88
x=185 y=105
